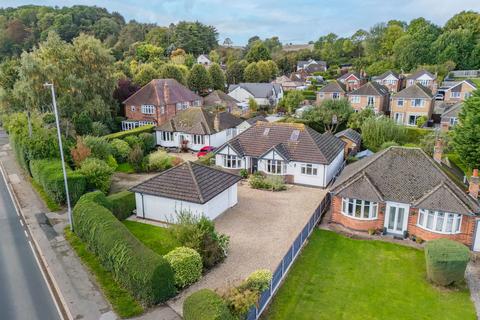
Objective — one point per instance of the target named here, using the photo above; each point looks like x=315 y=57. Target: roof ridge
x=448 y=188
x=157 y=175
x=194 y=178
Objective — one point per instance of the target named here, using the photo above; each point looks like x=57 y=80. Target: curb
x=59 y=300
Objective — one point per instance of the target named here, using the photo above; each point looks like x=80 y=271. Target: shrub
x=205 y=305
x=421 y=121
x=98 y=174
x=111 y=162
x=80 y=152
x=99 y=198
x=126 y=133
x=144 y=273
x=49 y=175
x=99 y=129
x=99 y=146
x=259 y=280
x=121 y=149
x=123 y=204
x=446 y=261
x=134 y=141
x=388 y=144
x=135 y=157
x=186 y=264
x=158 y=161
x=82 y=123
x=240 y=300
x=376 y=131
x=273 y=183
x=244 y=173
x=148 y=141
x=207 y=159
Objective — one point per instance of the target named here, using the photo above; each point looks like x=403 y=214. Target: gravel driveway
x=262 y=226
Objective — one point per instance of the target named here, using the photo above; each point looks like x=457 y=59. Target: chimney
x=166 y=92
x=216 y=122
x=438 y=151
x=474 y=186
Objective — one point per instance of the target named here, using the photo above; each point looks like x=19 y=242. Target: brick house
x=402 y=191
x=370 y=95
x=333 y=90
x=423 y=77
x=390 y=79
x=352 y=80
x=459 y=92
x=352 y=139
x=410 y=104
x=450 y=117
x=157 y=102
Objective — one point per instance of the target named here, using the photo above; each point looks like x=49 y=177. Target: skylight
x=266 y=131
x=295 y=134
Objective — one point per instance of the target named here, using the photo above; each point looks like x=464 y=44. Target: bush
x=446 y=261
x=207 y=159
x=80 y=152
x=240 y=301
x=158 y=161
x=121 y=149
x=388 y=144
x=111 y=162
x=144 y=273
x=98 y=174
x=186 y=264
x=273 y=183
x=376 y=131
x=244 y=173
x=126 y=133
x=123 y=204
x=134 y=141
x=135 y=157
x=205 y=305
x=259 y=280
x=99 y=147
x=99 y=129
x=148 y=141
x=49 y=175
x=98 y=197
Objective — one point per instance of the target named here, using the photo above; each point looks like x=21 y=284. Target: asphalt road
x=24 y=294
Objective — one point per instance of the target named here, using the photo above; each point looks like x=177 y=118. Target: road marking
x=26 y=234
x=21 y=222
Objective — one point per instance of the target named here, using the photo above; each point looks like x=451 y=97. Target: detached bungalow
x=196 y=128
x=250 y=122
x=294 y=151
x=402 y=191
x=189 y=186
x=265 y=94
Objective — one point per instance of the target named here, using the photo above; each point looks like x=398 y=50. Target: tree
x=195 y=37
x=172 y=71
x=235 y=72
x=252 y=105
x=466 y=134
x=214 y=56
x=252 y=73
x=217 y=76
x=199 y=79
x=292 y=100
x=330 y=114
x=264 y=71
x=146 y=52
x=159 y=36
x=145 y=73
x=356 y=119
x=228 y=42
x=377 y=131
x=258 y=52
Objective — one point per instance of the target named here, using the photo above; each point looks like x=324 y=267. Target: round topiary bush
x=186 y=264
x=259 y=280
x=205 y=305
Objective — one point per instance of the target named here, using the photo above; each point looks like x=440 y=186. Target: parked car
x=205 y=150
x=439 y=96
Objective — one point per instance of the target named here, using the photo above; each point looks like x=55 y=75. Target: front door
x=396 y=217
x=254 y=165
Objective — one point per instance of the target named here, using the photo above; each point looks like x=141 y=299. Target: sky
x=293 y=21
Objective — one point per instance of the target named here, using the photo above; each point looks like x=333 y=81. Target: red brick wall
x=355 y=224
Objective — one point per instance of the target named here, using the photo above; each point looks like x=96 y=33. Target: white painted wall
x=334 y=166
x=214 y=140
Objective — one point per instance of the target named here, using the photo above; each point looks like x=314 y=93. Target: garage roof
x=190 y=182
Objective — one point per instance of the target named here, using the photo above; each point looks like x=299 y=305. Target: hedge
x=122 y=203
x=186 y=264
x=147 y=275
x=446 y=261
x=205 y=305
x=49 y=175
x=414 y=135
x=126 y=133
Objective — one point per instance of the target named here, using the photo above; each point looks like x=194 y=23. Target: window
x=132 y=108
x=231 y=132
x=232 y=162
x=412 y=119
x=274 y=166
x=467 y=95
x=309 y=169
x=439 y=222
x=197 y=103
x=355 y=99
x=359 y=209
x=198 y=139
x=182 y=105
x=400 y=102
x=321 y=95
x=398 y=117
x=455 y=95
x=417 y=102
x=148 y=109
x=167 y=136
x=370 y=101
x=425 y=83
x=162 y=109
x=453 y=121
x=335 y=95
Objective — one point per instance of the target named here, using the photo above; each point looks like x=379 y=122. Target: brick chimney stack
x=438 y=151
x=474 y=186
x=216 y=122
x=166 y=92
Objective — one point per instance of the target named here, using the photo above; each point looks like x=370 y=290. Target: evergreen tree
x=217 y=76
x=199 y=79
x=252 y=73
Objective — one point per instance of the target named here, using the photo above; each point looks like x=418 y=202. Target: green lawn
x=340 y=278
x=156 y=238
x=125 y=168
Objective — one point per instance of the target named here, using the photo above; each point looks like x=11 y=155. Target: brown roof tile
x=153 y=93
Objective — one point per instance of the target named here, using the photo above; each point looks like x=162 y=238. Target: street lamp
x=55 y=111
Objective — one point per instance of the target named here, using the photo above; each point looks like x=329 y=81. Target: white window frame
x=308 y=169
x=416 y=117
x=399 y=117
x=231 y=161
x=439 y=217
x=162 y=109
x=148 y=109
x=355 y=99
x=335 y=95
x=167 y=136
x=197 y=103
x=349 y=209
x=416 y=105
x=424 y=83
x=182 y=105
x=132 y=108
x=453 y=121
x=198 y=139
x=455 y=94
x=372 y=98
x=400 y=102
x=276 y=167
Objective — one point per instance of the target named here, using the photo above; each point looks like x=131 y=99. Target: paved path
x=24 y=293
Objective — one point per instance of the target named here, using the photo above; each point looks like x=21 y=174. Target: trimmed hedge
x=414 y=135
x=205 y=305
x=49 y=175
x=186 y=264
x=122 y=204
x=446 y=261
x=147 y=275
x=133 y=132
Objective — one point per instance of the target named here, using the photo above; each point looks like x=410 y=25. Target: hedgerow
x=123 y=204
x=126 y=133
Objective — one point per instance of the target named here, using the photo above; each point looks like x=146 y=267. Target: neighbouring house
x=390 y=79
x=300 y=111
x=450 y=116
x=288 y=84
x=352 y=80
x=300 y=76
x=203 y=59
x=402 y=191
x=352 y=139
x=459 y=91
x=370 y=95
x=311 y=66
x=250 y=122
x=265 y=94
x=411 y=103
x=195 y=128
x=218 y=98
x=333 y=90
x=157 y=102
x=423 y=77
x=294 y=151
x=189 y=186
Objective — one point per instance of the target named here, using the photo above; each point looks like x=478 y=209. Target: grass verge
x=125 y=168
x=123 y=303
x=51 y=204
x=156 y=238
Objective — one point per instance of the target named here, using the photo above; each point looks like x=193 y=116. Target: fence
x=287 y=261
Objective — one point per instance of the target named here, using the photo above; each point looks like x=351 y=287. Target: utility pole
x=57 y=120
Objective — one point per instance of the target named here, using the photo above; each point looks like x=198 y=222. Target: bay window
x=167 y=136
x=439 y=221
x=309 y=169
x=359 y=209
x=274 y=166
x=231 y=161
x=198 y=139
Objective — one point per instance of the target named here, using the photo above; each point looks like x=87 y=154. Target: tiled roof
x=219 y=97
x=370 y=89
x=407 y=175
x=190 y=182
x=453 y=111
x=310 y=146
x=255 y=119
x=414 y=91
x=386 y=74
x=153 y=93
x=348 y=74
x=420 y=73
x=457 y=87
x=197 y=120
x=258 y=90
x=334 y=86
x=350 y=134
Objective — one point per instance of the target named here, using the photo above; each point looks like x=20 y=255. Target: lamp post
x=55 y=111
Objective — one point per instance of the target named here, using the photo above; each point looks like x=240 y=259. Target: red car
x=204 y=151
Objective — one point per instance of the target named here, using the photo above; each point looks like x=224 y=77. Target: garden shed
x=189 y=186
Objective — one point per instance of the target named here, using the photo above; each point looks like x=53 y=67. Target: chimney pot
x=474 y=187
